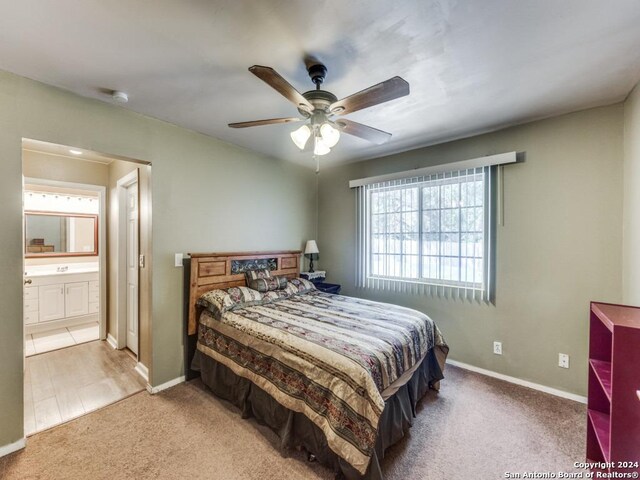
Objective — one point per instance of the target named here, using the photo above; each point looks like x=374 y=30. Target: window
x=432 y=230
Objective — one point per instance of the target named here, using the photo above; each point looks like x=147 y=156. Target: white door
x=51 y=302
x=132 y=267
x=76 y=300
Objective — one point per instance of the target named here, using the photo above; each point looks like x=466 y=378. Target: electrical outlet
x=178 y=260
x=497 y=348
x=563 y=360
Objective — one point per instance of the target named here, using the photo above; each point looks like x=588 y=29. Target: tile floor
x=67 y=383
x=61 y=338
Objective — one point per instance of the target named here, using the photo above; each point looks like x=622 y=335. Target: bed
x=337 y=376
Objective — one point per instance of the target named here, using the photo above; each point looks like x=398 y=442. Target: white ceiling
x=473 y=65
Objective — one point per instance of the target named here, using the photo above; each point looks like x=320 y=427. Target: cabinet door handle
x=28 y=281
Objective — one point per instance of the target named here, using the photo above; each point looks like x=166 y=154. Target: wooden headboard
x=223 y=270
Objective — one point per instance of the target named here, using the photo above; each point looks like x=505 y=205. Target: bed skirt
x=296 y=430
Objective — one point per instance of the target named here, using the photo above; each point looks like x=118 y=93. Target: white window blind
x=429 y=234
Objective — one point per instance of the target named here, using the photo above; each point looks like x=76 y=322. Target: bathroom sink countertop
x=46 y=270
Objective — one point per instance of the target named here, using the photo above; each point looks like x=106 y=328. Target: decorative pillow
x=250 y=275
x=299 y=285
x=268 y=284
x=275 y=296
x=244 y=297
x=221 y=301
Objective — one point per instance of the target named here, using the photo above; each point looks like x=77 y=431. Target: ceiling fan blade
x=269 y=121
x=391 y=89
x=274 y=80
x=359 y=130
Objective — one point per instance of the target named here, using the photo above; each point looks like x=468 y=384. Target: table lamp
x=311 y=252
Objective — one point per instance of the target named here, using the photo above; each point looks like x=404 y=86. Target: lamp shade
x=300 y=136
x=330 y=135
x=311 y=247
x=320 y=147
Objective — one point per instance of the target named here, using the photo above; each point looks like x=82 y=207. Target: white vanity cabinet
x=60 y=300
x=51 y=302
x=31 y=305
x=76 y=299
x=94 y=296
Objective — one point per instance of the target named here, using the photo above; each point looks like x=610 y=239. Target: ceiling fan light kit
x=317 y=107
x=324 y=134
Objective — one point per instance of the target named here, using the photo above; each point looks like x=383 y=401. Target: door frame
x=102 y=236
x=121 y=291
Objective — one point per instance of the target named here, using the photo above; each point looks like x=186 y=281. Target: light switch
x=178 y=260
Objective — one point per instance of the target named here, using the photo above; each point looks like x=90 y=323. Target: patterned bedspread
x=327 y=356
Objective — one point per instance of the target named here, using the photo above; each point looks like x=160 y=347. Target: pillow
x=250 y=275
x=275 y=296
x=299 y=285
x=221 y=301
x=268 y=284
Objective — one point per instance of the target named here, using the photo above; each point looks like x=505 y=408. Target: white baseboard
x=518 y=381
x=164 y=386
x=13 y=447
x=143 y=371
x=112 y=341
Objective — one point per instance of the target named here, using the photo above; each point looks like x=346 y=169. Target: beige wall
x=631 y=240
x=64 y=169
x=559 y=248
x=207 y=196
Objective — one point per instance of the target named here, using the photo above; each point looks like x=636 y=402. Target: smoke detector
x=119 y=96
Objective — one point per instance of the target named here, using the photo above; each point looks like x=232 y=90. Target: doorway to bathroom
x=78 y=358
x=64 y=264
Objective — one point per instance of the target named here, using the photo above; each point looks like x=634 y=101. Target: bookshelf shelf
x=600 y=423
x=602 y=371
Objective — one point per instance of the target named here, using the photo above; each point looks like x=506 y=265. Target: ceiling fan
x=319 y=107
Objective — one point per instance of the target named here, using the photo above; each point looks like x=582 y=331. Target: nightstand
x=317 y=278
x=328 y=287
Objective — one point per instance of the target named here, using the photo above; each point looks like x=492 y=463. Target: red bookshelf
x=613 y=405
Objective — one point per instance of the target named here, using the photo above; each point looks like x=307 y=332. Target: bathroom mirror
x=60 y=234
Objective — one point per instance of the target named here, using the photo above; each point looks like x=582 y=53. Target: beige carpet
x=475 y=428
